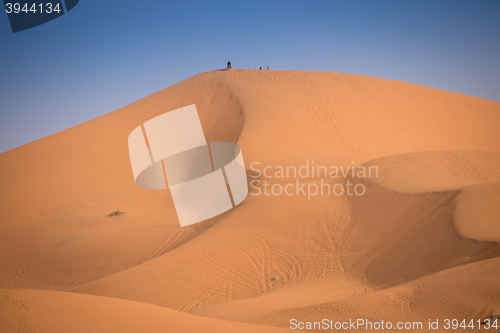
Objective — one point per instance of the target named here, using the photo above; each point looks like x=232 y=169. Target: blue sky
x=103 y=55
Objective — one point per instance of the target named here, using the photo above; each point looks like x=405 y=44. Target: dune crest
x=433 y=171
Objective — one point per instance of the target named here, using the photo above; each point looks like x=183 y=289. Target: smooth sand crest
x=432 y=171
x=388 y=254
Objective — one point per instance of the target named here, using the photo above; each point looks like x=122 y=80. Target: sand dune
x=422 y=242
x=55 y=311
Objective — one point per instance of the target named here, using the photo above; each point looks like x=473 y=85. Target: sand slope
x=417 y=245
x=55 y=311
x=468 y=296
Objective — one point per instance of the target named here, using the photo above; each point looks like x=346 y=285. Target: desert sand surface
x=58 y=311
x=421 y=243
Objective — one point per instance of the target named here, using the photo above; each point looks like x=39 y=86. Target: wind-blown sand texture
x=421 y=243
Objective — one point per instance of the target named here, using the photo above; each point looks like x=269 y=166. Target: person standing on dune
x=229 y=65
